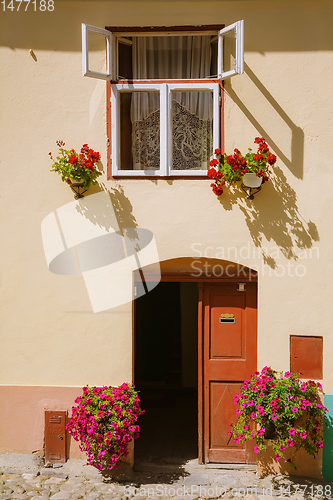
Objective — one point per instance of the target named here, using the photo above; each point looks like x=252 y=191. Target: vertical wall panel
x=328 y=439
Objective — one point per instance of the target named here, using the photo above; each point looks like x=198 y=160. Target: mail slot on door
x=227 y=318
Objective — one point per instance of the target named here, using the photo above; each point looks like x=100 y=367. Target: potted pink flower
x=104 y=422
x=284 y=409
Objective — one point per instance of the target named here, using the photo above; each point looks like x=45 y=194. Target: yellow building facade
x=52 y=341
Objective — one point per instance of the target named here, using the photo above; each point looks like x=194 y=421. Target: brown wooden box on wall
x=55 y=437
x=306 y=356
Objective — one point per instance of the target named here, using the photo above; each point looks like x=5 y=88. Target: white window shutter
x=85 y=52
x=238 y=28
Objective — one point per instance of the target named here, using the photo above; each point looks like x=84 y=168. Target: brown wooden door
x=228 y=357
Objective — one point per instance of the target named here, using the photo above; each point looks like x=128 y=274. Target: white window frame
x=238 y=69
x=116 y=89
x=85 y=52
x=165 y=90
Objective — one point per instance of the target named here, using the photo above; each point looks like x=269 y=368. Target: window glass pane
x=192 y=130
x=213 y=65
x=229 y=50
x=97 y=52
x=125 y=61
x=139 y=130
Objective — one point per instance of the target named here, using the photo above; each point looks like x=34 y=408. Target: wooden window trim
x=127 y=30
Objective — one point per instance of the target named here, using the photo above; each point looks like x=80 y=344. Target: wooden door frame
x=200 y=280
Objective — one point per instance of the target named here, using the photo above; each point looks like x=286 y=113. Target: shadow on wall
x=274 y=215
x=304 y=29
x=123 y=209
x=295 y=163
x=123 y=219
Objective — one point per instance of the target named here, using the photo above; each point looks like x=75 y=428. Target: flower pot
x=270 y=432
x=76 y=183
x=306 y=465
x=78 y=188
x=250 y=180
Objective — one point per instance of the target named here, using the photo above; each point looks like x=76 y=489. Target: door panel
x=227 y=340
x=229 y=356
x=221 y=447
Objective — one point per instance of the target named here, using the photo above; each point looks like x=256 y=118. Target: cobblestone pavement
x=217 y=484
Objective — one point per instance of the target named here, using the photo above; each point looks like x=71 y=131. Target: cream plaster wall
x=49 y=334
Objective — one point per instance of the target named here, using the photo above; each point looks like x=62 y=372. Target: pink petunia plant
x=104 y=422
x=287 y=406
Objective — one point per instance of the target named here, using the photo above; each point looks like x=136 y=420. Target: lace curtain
x=172 y=57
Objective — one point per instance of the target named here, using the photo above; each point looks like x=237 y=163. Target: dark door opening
x=166 y=372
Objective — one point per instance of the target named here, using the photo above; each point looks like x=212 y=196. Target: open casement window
x=93 y=39
x=236 y=31
x=165 y=94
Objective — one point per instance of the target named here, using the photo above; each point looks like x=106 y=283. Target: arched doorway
x=195 y=341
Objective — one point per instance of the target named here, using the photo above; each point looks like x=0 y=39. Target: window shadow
x=295 y=164
x=274 y=215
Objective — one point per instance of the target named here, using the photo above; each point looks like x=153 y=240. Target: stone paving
x=75 y=481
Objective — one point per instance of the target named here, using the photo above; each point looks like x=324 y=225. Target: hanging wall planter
x=252 y=169
x=78 y=170
x=78 y=188
x=251 y=184
x=251 y=180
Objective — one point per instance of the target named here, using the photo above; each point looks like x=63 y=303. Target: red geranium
x=231 y=160
x=271 y=159
x=263 y=148
x=95 y=156
x=216 y=189
x=219 y=175
x=258 y=157
x=73 y=159
x=89 y=164
x=212 y=173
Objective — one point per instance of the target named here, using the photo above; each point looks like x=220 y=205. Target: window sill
x=155 y=177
